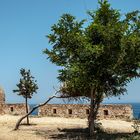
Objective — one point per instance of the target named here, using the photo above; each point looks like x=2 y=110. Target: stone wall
x=115 y=111
x=82 y=111
x=13 y=109
x=64 y=110
x=2 y=96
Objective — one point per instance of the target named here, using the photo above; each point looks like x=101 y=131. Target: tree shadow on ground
x=83 y=134
x=73 y=133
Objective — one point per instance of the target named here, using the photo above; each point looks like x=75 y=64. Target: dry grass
x=45 y=128
x=117 y=126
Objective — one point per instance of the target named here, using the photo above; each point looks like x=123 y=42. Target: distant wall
x=13 y=109
x=82 y=111
x=115 y=111
x=64 y=110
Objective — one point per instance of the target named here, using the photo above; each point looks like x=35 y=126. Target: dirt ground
x=54 y=128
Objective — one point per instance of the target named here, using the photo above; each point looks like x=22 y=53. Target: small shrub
x=136 y=126
x=132 y=137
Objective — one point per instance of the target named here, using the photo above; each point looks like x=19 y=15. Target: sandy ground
x=48 y=128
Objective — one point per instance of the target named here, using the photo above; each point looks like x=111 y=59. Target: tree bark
x=92 y=114
x=34 y=108
x=94 y=107
x=27 y=111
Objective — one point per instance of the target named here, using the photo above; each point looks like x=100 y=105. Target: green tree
x=26 y=87
x=97 y=61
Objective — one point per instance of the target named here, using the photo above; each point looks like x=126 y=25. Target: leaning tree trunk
x=92 y=113
x=27 y=111
x=34 y=108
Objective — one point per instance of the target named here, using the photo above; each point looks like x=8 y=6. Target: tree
x=26 y=87
x=97 y=61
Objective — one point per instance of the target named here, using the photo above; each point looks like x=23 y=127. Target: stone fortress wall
x=14 y=109
x=112 y=111
x=68 y=110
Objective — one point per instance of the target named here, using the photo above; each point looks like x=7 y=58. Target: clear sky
x=23 y=26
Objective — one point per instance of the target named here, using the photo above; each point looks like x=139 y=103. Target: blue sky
x=23 y=26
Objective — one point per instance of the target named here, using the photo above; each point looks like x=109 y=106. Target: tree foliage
x=27 y=85
x=105 y=54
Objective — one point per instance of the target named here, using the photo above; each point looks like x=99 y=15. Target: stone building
x=113 y=111
x=14 y=109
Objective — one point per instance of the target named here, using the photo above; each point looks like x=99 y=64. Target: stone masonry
x=2 y=96
x=13 y=109
x=111 y=111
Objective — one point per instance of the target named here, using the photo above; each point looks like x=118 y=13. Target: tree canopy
x=27 y=85
x=105 y=54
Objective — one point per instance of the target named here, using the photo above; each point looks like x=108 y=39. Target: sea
x=136 y=110
x=135 y=106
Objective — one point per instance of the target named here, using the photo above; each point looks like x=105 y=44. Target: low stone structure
x=14 y=109
x=112 y=111
x=115 y=111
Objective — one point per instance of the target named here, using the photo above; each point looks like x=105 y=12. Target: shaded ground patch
x=83 y=134
x=72 y=133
